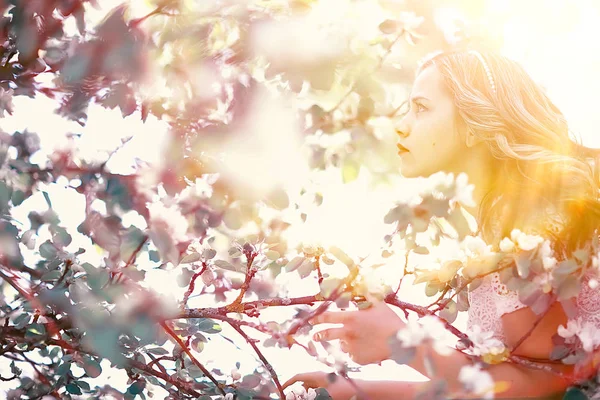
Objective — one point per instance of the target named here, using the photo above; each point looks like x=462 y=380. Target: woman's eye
x=420 y=107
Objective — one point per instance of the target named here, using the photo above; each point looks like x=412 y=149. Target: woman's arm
x=522 y=381
x=374 y=390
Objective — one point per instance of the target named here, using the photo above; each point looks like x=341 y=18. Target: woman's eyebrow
x=417 y=98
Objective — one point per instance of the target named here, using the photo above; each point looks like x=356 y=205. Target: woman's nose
x=401 y=127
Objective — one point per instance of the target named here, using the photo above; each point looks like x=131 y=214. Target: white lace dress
x=491 y=300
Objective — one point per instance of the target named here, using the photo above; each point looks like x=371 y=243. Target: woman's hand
x=364 y=334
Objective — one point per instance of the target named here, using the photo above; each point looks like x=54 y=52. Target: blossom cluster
x=300 y=393
x=477 y=381
x=585 y=331
x=420 y=329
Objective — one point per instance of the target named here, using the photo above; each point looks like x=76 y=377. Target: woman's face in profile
x=428 y=131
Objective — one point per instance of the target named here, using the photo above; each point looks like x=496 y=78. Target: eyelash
x=420 y=108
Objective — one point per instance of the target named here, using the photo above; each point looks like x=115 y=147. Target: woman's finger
x=308 y=379
x=345 y=346
x=296 y=378
x=331 y=334
x=332 y=317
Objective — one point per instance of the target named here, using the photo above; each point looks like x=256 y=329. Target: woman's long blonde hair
x=540 y=166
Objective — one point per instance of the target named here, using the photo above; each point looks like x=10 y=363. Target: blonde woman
x=482 y=114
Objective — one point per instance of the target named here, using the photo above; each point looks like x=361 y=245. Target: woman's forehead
x=429 y=83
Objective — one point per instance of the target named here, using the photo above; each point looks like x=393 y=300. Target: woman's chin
x=408 y=172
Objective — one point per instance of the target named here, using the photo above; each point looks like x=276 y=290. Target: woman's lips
x=402 y=149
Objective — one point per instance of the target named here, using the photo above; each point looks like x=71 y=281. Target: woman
x=480 y=113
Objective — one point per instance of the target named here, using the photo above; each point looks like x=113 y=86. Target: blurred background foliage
x=260 y=100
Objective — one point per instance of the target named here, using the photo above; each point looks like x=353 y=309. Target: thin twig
x=191 y=356
x=266 y=364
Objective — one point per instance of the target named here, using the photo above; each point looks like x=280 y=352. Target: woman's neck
x=478 y=167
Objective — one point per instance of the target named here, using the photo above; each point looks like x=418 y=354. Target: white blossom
x=507 y=245
x=299 y=393
x=475 y=246
x=412 y=334
x=546 y=253
x=477 y=381
x=585 y=331
x=570 y=330
x=171 y=217
x=464 y=190
x=419 y=329
x=589 y=337
x=484 y=342
x=524 y=241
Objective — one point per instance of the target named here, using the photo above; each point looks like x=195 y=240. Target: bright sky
x=553 y=45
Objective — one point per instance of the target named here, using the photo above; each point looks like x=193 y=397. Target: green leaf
x=5 y=194
x=34 y=330
x=450 y=312
x=322 y=394
x=98 y=279
x=47 y=197
x=92 y=368
x=350 y=171
x=209 y=326
x=294 y=264
x=14 y=369
x=569 y=288
x=51 y=276
x=183 y=279
x=22 y=320
x=564 y=268
x=83 y=385
x=421 y=250
x=154 y=256
x=60 y=236
x=342 y=256
x=63 y=369
x=225 y=265
x=48 y=250
x=523 y=262
x=306 y=268
x=574 y=393
x=250 y=381
x=328 y=286
x=105 y=340
x=144 y=329
x=190 y=258
x=209 y=254
x=136 y=387
x=54 y=353
x=234 y=252
x=197 y=345
x=432 y=289
x=159 y=351
x=73 y=388
x=18 y=196
x=75 y=68
x=559 y=352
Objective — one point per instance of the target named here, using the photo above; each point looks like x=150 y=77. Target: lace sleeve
x=506 y=300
